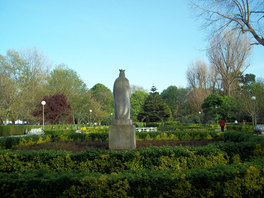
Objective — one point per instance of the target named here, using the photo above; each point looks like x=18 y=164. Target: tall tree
x=199 y=75
x=33 y=81
x=216 y=107
x=243 y=15
x=184 y=107
x=171 y=97
x=200 y=80
x=104 y=97
x=63 y=80
x=23 y=76
x=137 y=101
x=228 y=56
x=246 y=104
x=8 y=94
x=155 y=108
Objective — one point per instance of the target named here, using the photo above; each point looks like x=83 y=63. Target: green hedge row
x=152 y=158
x=70 y=135
x=242 y=128
x=236 y=180
x=16 y=129
x=180 y=135
x=10 y=142
x=166 y=126
x=10 y=130
x=178 y=125
x=155 y=158
x=170 y=135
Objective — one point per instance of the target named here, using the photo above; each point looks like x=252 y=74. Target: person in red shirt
x=222 y=124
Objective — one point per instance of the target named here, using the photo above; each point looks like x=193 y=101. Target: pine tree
x=155 y=108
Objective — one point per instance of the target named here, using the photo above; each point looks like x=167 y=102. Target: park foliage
x=56 y=109
x=231 y=166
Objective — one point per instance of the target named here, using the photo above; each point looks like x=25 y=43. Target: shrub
x=241 y=128
x=153 y=158
x=236 y=180
x=232 y=168
x=15 y=129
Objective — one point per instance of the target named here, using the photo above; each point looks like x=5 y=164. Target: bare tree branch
x=229 y=14
x=228 y=55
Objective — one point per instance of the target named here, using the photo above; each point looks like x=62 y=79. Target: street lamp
x=253 y=98
x=200 y=116
x=43 y=104
x=240 y=84
x=240 y=92
x=91 y=117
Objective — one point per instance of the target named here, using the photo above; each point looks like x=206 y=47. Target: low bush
x=153 y=158
x=235 y=180
x=180 y=135
x=7 y=143
x=241 y=128
x=10 y=130
x=70 y=135
x=15 y=129
x=10 y=142
x=233 y=166
x=238 y=136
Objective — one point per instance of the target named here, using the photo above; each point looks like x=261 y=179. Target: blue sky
x=155 y=41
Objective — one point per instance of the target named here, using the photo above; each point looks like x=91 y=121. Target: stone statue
x=122 y=134
x=122 y=93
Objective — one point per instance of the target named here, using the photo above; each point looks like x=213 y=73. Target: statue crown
x=122 y=73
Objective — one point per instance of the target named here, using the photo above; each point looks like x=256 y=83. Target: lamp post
x=43 y=104
x=200 y=116
x=240 y=85
x=91 y=117
x=253 y=98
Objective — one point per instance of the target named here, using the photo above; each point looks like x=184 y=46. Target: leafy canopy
x=216 y=107
x=137 y=101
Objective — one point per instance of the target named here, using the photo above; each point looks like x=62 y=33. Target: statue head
x=122 y=73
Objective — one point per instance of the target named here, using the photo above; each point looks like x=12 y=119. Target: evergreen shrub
x=235 y=180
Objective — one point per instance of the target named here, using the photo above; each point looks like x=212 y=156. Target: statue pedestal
x=122 y=137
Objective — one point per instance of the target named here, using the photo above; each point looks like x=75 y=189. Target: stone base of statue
x=122 y=135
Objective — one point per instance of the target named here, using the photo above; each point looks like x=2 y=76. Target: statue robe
x=122 y=95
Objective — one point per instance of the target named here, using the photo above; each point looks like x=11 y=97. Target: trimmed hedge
x=10 y=130
x=233 y=167
x=70 y=135
x=242 y=128
x=155 y=158
x=166 y=126
x=236 y=180
x=16 y=129
x=180 y=135
x=10 y=142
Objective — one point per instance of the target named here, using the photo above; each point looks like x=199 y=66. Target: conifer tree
x=155 y=108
